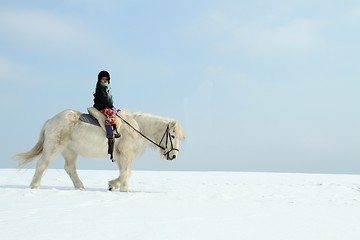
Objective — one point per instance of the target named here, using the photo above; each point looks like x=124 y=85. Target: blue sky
x=256 y=85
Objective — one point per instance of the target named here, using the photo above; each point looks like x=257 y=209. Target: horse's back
x=64 y=117
x=61 y=122
x=69 y=114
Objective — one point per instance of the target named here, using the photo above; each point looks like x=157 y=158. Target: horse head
x=170 y=141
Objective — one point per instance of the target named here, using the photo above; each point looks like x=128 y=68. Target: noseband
x=167 y=136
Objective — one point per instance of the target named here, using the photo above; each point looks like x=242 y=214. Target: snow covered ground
x=181 y=205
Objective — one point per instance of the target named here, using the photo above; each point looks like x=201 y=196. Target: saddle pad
x=89 y=119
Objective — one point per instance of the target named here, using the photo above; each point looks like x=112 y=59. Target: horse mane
x=136 y=114
x=154 y=121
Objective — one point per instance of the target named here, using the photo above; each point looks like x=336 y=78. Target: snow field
x=180 y=205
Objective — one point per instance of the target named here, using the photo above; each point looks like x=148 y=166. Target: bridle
x=167 y=136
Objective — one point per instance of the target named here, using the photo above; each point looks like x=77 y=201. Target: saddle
x=95 y=117
x=87 y=118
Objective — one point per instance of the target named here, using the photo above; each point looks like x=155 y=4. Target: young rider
x=103 y=101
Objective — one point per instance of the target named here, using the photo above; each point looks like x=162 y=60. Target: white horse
x=65 y=134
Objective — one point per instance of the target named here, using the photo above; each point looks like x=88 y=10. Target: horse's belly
x=95 y=150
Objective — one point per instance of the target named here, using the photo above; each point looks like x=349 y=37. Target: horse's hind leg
x=70 y=167
x=46 y=158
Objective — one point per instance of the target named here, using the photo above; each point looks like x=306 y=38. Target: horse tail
x=25 y=158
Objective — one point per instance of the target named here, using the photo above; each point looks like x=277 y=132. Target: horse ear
x=175 y=126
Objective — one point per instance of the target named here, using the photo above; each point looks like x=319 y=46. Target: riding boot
x=110 y=137
x=111 y=148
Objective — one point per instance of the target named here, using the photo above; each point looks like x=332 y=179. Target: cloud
x=349 y=16
x=258 y=38
x=294 y=37
x=40 y=30
x=224 y=75
x=7 y=68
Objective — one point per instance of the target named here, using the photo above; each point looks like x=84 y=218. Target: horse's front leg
x=122 y=181
x=114 y=184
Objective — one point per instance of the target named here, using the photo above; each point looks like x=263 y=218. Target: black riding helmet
x=103 y=74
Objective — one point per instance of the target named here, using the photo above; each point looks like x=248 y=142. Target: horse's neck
x=151 y=126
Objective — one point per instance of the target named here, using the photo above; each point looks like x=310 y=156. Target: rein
x=166 y=133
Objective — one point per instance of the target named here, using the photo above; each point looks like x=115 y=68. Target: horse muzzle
x=170 y=157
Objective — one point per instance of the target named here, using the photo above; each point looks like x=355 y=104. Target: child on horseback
x=103 y=101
